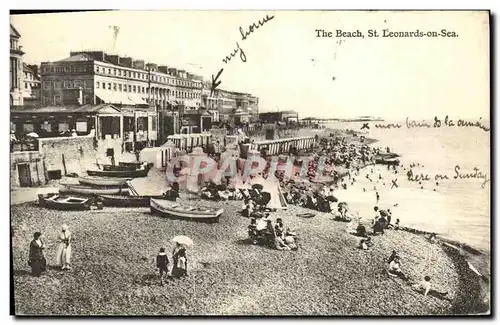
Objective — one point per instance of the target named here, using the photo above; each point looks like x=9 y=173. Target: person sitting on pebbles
x=252 y=231
x=395 y=269
x=432 y=238
x=279 y=228
x=363 y=245
x=424 y=287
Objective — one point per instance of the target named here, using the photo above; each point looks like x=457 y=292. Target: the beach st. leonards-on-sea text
x=386 y=32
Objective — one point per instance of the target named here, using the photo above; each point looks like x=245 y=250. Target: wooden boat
x=174 y=210
x=119 y=173
x=387 y=161
x=386 y=155
x=113 y=167
x=102 y=181
x=63 y=202
x=136 y=165
x=127 y=201
x=86 y=190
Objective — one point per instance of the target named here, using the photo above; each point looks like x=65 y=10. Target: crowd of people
x=336 y=151
x=262 y=231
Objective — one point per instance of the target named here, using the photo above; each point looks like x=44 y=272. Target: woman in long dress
x=180 y=261
x=63 y=256
x=36 y=258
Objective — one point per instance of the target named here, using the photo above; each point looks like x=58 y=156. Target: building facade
x=16 y=68
x=283 y=116
x=118 y=80
x=32 y=84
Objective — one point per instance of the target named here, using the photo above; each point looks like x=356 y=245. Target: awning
x=112 y=97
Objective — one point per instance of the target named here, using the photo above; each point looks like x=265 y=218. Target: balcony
x=17 y=50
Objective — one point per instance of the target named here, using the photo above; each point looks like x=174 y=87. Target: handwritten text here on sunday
x=384 y=33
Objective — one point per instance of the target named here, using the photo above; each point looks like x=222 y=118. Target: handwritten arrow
x=215 y=83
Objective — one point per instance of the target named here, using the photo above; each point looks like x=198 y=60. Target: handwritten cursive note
x=476 y=174
x=437 y=123
x=243 y=57
x=244 y=36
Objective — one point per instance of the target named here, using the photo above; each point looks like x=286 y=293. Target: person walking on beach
x=63 y=256
x=162 y=264
x=180 y=264
x=36 y=258
x=179 y=259
x=378 y=196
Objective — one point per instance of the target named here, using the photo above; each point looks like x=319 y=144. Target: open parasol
x=32 y=135
x=183 y=240
x=258 y=187
x=332 y=198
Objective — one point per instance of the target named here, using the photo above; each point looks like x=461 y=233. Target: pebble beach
x=116 y=248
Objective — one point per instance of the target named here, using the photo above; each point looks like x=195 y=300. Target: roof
x=113 y=97
x=14 y=32
x=65 y=109
x=28 y=69
x=77 y=57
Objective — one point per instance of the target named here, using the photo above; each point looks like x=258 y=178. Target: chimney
x=151 y=66
x=126 y=62
x=139 y=64
x=115 y=59
x=34 y=67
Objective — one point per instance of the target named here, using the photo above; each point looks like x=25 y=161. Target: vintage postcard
x=232 y=163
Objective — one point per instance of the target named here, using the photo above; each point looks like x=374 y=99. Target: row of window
x=28 y=85
x=144 y=76
x=67 y=68
x=139 y=89
x=68 y=84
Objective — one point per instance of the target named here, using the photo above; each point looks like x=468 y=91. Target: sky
x=287 y=66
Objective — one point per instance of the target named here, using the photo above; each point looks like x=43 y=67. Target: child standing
x=162 y=264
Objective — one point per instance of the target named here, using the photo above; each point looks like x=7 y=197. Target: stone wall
x=31 y=160
x=68 y=154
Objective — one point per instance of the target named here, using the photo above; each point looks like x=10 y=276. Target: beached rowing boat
x=385 y=155
x=119 y=173
x=136 y=165
x=86 y=190
x=174 y=210
x=127 y=201
x=102 y=181
x=113 y=167
x=62 y=202
x=387 y=161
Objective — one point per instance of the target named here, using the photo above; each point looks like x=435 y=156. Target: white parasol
x=183 y=240
x=32 y=135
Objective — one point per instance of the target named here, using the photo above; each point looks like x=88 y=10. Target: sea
x=455 y=208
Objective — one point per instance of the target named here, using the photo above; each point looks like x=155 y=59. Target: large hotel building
x=102 y=78
x=94 y=77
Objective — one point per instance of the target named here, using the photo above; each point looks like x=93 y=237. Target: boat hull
x=136 y=165
x=388 y=161
x=84 y=190
x=161 y=208
x=72 y=204
x=127 y=201
x=101 y=181
x=119 y=173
